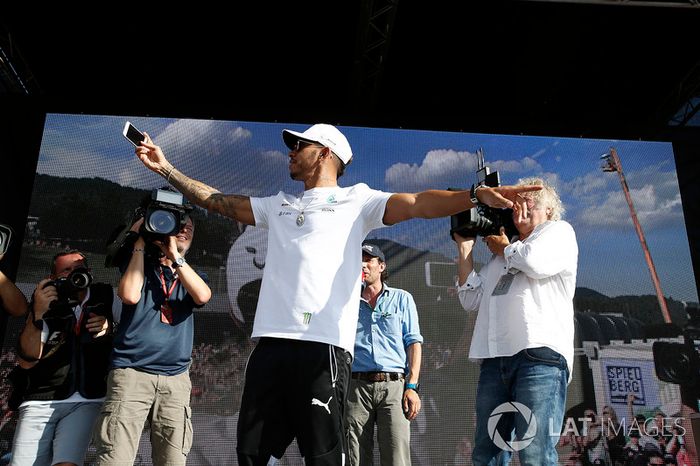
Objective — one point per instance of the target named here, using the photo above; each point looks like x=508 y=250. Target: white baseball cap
x=326 y=135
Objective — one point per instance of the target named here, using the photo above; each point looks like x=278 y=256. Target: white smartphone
x=132 y=134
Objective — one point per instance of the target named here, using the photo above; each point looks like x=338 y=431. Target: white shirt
x=311 y=282
x=537 y=310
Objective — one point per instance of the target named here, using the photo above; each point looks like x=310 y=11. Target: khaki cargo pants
x=135 y=398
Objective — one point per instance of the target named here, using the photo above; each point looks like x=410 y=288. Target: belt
x=378 y=376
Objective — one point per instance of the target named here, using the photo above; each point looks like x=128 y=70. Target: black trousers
x=294 y=389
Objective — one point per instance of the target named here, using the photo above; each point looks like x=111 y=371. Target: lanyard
x=166 y=311
x=79 y=321
x=167 y=292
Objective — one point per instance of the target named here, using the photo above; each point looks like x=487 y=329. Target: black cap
x=373 y=250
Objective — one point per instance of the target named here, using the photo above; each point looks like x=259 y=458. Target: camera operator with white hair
x=524 y=332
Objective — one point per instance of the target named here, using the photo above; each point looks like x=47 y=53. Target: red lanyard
x=79 y=321
x=166 y=311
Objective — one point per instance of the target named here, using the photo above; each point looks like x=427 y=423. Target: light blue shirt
x=384 y=333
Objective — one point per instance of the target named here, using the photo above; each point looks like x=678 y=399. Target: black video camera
x=482 y=220
x=164 y=215
x=5 y=237
x=68 y=287
x=679 y=363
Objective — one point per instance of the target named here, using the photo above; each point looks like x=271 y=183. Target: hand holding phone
x=132 y=134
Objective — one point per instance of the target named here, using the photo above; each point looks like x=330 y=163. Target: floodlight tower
x=611 y=163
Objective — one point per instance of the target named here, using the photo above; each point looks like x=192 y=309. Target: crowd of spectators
x=636 y=440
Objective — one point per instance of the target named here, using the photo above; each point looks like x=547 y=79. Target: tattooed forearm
x=227 y=204
x=203 y=195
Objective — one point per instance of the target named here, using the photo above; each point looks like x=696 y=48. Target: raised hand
x=503 y=197
x=152 y=156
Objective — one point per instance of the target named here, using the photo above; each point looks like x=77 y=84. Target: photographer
x=64 y=350
x=149 y=378
x=524 y=331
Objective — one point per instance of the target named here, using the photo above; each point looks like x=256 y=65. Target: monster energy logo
x=307 y=318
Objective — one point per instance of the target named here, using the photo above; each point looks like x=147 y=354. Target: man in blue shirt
x=384 y=383
x=149 y=379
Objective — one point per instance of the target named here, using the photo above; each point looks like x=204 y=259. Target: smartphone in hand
x=132 y=134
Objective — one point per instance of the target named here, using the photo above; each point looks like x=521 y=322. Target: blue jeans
x=536 y=378
x=54 y=432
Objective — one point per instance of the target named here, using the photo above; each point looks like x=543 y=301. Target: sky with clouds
x=250 y=158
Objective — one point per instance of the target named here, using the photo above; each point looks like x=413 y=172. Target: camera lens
x=80 y=280
x=162 y=222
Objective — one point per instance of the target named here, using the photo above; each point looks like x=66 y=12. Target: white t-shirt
x=537 y=309
x=311 y=283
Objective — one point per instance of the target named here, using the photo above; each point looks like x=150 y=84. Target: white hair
x=547 y=197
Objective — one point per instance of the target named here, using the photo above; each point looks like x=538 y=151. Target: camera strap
x=166 y=310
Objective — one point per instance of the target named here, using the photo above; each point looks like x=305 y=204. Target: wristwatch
x=413 y=386
x=472 y=194
x=179 y=262
x=39 y=324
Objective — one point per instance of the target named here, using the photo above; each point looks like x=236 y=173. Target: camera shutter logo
x=512 y=445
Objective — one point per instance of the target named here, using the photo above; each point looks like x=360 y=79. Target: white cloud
x=216 y=152
x=591 y=184
x=446 y=167
x=600 y=201
x=652 y=210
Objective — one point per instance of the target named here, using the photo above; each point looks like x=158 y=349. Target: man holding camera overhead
x=149 y=378
x=64 y=353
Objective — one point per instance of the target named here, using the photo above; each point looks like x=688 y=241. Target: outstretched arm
x=230 y=205
x=11 y=298
x=441 y=203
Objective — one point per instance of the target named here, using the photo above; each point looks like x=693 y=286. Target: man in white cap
x=297 y=375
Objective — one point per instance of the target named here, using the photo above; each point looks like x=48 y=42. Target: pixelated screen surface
x=89 y=181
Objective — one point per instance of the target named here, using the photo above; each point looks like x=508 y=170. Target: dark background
x=604 y=69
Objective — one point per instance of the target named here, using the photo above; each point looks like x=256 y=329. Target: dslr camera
x=164 y=214
x=68 y=287
x=679 y=363
x=482 y=220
